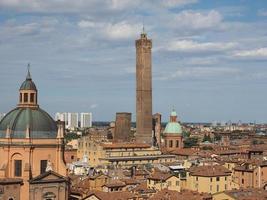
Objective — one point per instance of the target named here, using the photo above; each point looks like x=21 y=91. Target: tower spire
x=28 y=77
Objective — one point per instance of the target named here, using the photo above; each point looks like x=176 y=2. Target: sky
x=209 y=56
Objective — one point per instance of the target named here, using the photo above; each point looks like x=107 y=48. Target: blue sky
x=209 y=56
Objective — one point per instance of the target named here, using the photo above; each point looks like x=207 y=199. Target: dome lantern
x=28 y=92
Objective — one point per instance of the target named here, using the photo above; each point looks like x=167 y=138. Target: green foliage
x=71 y=136
x=190 y=142
x=207 y=138
x=217 y=137
x=186 y=134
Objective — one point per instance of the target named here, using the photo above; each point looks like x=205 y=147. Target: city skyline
x=208 y=58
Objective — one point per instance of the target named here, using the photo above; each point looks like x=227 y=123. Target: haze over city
x=209 y=57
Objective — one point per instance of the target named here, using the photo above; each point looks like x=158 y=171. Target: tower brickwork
x=143 y=89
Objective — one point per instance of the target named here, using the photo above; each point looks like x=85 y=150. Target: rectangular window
x=177 y=183
x=169 y=183
x=177 y=143
x=217 y=178
x=218 y=188
x=210 y=188
x=170 y=143
x=43 y=165
x=210 y=179
x=18 y=168
x=25 y=97
x=32 y=97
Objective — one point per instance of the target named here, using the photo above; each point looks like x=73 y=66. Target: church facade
x=32 y=150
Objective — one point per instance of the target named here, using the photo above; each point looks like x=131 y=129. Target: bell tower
x=143 y=89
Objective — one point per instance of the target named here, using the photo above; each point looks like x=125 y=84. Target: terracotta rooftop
x=115 y=183
x=185 y=152
x=157 y=175
x=174 y=195
x=209 y=171
x=124 y=145
x=111 y=195
x=247 y=194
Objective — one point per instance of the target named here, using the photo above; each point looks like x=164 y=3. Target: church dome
x=173 y=127
x=28 y=120
x=28 y=84
x=19 y=120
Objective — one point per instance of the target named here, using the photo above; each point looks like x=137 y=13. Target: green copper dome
x=40 y=123
x=28 y=84
x=173 y=128
x=173 y=113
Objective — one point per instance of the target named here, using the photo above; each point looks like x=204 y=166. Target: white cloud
x=62 y=6
x=87 y=24
x=201 y=72
x=173 y=3
x=198 y=20
x=262 y=13
x=254 y=53
x=93 y=106
x=122 y=30
x=122 y=4
x=192 y=46
x=14 y=28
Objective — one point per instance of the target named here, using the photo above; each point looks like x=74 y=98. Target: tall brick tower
x=143 y=89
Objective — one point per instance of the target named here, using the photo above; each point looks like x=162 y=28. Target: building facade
x=173 y=134
x=86 y=120
x=73 y=120
x=122 y=127
x=31 y=142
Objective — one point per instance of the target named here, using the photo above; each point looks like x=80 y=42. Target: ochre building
x=31 y=143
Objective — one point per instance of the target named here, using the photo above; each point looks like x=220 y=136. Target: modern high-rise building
x=143 y=89
x=62 y=117
x=123 y=127
x=86 y=120
x=73 y=120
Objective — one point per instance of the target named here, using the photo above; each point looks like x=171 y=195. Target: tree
x=190 y=142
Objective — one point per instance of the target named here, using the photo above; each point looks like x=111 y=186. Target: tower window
x=177 y=143
x=43 y=165
x=20 y=97
x=32 y=97
x=25 y=97
x=170 y=144
x=18 y=168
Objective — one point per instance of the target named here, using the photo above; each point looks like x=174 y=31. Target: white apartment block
x=73 y=120
x=86 y=120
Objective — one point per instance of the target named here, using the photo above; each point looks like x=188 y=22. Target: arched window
x=10 y=198
x=32 y=97
x=49 y=196
x=26 y=97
